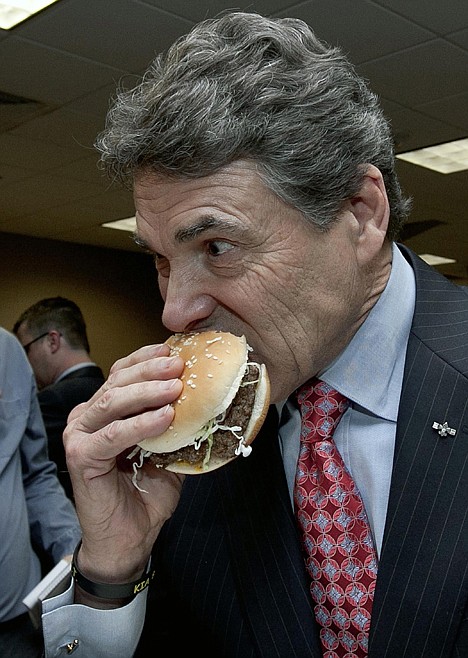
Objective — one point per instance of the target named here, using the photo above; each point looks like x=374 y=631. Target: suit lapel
x=419 y=600
x=269 y=567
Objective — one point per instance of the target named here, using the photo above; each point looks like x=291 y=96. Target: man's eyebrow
x=205 y=224
x=192 y=232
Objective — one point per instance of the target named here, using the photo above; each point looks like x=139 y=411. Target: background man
x=53 y=333
x=36 y=518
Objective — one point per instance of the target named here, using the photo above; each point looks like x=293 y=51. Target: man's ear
x=370 y=205
x=54 y=340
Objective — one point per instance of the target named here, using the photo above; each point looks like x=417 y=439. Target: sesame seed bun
x=216 y=363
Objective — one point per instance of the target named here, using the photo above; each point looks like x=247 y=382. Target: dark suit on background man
x=56 y=402
x=260 y=604
x=53 y=333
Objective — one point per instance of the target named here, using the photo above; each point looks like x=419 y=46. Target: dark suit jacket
x=230 y=577
x=56 y=402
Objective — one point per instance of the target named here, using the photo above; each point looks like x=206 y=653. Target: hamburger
x=223 y=404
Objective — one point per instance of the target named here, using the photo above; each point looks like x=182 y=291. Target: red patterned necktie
x=339 y=552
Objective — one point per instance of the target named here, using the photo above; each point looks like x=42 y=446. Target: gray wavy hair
x=243 y=86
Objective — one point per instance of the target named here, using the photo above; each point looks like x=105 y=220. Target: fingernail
x=168 y=383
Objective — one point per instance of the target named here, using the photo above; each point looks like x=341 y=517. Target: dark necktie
x=339 y=551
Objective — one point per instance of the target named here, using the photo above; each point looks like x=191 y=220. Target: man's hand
x=120 y=522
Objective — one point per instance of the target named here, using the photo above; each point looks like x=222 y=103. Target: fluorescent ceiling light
x=444 y=158
x=436 y=260
x=15 y=11
x=128 y=224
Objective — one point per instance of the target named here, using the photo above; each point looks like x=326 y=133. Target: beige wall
x=116 y=290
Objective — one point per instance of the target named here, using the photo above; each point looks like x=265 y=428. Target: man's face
x=230 y=255
x=36 y=350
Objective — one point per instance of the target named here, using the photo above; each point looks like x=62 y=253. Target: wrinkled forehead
x=236 y=182
x=231 y=200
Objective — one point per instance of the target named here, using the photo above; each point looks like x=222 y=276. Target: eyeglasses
x=28 y=345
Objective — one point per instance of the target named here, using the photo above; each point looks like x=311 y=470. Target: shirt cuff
x=71 y=628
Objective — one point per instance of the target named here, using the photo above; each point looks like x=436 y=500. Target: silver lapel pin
x=444 y=429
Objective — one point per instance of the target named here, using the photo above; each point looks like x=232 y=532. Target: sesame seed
x=214 y=340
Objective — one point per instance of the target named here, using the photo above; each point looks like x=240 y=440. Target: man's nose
x=185 y=307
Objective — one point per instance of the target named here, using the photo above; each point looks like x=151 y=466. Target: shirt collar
x=370 y=369
x=78 y=366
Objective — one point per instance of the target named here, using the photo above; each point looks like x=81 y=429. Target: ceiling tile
x=33 y=154
x=441 y=16
x=201 y=9
x=96 y=103
x=63 y=127
x=451 y=108
x=415 y=129
x=90 y=212
x=459 y=38
x=68 y=76
x=133 y=24
x=408 y=77
x=10 y=174
x=86 y=170
x=375 y=31
x=26 y=196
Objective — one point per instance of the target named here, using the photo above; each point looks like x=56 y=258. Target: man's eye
x=218 y=247
x=162 y=265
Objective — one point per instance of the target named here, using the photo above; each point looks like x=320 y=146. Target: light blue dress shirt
x=33 y=505
x=369 y=372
